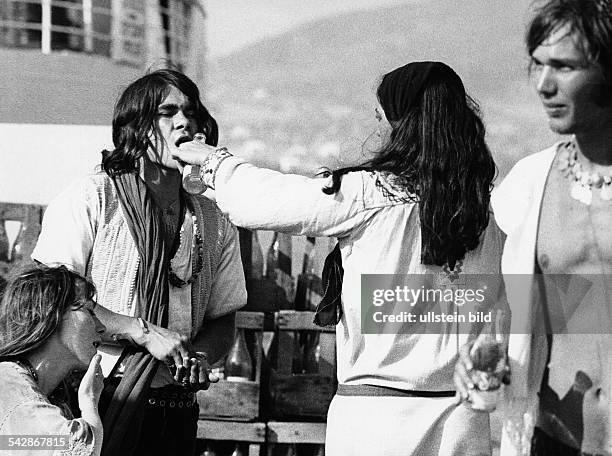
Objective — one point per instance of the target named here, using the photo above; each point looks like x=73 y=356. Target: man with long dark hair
x=166 y=266
x=421 y=208
x=556 y=208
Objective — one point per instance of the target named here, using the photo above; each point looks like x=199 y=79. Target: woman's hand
x=194 y=152
x=88 y=396
x=463 y=368
x=91 y=384
x=468 y=378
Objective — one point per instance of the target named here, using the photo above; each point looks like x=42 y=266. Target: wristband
x=208 y=171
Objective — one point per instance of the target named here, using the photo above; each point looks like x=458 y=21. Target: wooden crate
x=298 y=396
x=238 y=400
x=254 y=434
x=295 y=432
x=306 y=436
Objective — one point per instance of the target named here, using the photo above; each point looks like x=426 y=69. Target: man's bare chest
x=573 y=237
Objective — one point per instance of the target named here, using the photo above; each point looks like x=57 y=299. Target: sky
x=233 y=24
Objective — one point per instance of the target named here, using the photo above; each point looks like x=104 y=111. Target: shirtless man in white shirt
x=556 y=209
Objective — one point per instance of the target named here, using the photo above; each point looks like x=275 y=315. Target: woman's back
x=388 y=241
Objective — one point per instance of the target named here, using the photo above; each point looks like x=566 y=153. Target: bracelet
x=208 y=170
x=143 y=325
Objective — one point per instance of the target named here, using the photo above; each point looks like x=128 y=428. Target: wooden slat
x=300 y=395
x=231 y=430
x=254 y=450
x=291 y=320
x=17 y=211
x=289 y=432
x=230 y=400
x=250 y=320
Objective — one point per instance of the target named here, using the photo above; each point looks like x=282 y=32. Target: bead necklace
x=583 y=182
x=174 y=280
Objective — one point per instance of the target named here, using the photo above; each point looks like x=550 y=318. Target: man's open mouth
x=181 y=140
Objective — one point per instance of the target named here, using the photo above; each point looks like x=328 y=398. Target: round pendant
x=606 y=193
x=581 y=193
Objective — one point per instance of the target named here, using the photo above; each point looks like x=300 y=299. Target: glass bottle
x=302 y=287
x=272 y=258
x=238 y=366
x=4 y=243
x=312 y=352
x=297 y=362
x=278 y=265
x=238 y=450
x=210 y=451
x=257 y=260
x=192 y=183
x=489 y=360
x=19 y=244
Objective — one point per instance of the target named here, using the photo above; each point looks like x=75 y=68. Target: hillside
x=310 y=92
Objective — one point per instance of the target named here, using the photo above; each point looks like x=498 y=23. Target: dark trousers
x=168 y=431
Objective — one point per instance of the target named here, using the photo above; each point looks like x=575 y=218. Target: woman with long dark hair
x=48 y=327
x=420 y=207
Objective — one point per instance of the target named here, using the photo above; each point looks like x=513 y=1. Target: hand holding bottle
x=481 y=370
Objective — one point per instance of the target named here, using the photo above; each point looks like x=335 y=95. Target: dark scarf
x=329 y=310
x=400 y=89
x=123 y=419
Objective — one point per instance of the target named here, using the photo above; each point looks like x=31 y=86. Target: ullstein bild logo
x=430 y=303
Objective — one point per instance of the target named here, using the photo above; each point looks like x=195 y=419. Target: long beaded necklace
x=583 y=182
x=176 y=281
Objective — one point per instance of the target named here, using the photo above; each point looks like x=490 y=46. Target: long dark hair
x=33 y=305
x=591 y=20
x=438 y=152
x=135 y=113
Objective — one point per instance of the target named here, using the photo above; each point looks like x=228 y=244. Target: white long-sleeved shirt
x=379 y=232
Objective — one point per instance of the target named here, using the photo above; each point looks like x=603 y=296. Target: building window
x=176 y=22
x=20 y=23
x=112 y=28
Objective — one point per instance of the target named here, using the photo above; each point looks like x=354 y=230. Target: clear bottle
x=257 y=260
x=272 y=258
x=238 y=450
x=312 y=352
x=489 y=360
x=303 y=279
x=297 y=361
x=4 y=243
x=238 y=366
x=210 y=450
x=278 y=265
x=19 y=245
x=192 y=182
